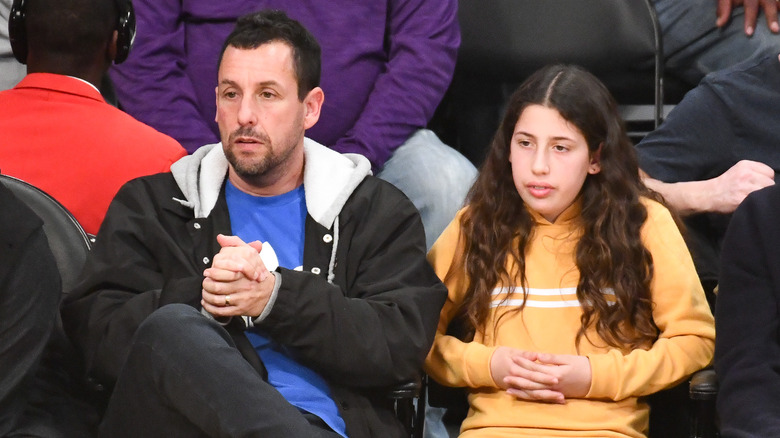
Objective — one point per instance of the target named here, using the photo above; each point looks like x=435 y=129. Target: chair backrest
x=505 y=41
x=67 y=239
x=617 y=40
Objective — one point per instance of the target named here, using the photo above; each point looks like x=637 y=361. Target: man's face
x=261 y=120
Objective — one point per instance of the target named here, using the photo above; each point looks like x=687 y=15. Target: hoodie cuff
x=271 y=300
x=605 y=379
x=476 y=365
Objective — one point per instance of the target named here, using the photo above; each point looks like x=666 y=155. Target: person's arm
x=374 y=328
x=721 y=194
x=752 y=8
x=135 y=267
x=681 y=313
x=451 y=361
x=30 y=291
x=692 y=159
x=423 y=37
x=747 y=350
x=151 y=85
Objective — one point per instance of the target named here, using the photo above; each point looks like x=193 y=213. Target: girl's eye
x=524 y=143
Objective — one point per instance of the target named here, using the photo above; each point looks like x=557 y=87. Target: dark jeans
x=185 y=377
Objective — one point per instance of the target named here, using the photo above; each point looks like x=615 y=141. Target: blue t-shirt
x=280 y=221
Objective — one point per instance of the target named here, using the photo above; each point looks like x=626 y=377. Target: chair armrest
x=704 y=385
x=409 y=405
x=408 y=390
x=703 y=390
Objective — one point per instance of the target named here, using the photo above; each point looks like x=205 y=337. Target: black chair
x=409 y=405
x=67 y=239
x=703 y=391
x=504 y=41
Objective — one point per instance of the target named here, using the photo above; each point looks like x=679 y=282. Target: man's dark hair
x=72 y=29
x=258 y=28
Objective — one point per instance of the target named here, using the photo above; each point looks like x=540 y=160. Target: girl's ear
x=595 y=161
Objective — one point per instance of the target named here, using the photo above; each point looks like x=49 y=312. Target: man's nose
x=247 y=112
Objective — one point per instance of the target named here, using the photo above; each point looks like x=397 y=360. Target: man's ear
x=111 y=53
x=595 y=161
x=312 y=104
x=216 y=98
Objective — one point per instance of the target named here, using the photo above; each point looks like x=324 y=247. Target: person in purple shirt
x=385 y=67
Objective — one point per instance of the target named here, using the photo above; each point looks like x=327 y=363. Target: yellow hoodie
x=549 y=323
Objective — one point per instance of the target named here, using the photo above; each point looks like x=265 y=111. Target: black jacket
x=747 y=320
x=369 y=328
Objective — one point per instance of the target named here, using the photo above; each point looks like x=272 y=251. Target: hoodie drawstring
x=332 y=263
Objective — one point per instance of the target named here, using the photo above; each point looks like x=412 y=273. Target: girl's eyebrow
x=556 y=138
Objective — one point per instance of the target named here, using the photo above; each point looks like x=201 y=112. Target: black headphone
x=17 y=30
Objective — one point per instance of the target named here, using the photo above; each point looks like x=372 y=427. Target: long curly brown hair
x=610 y=254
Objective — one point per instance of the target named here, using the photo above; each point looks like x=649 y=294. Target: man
x=715 y=148
x=386 y=66
x=350 y=309
x=29 y=295
x=747 y=348
x=58 y=132
x=704 y=36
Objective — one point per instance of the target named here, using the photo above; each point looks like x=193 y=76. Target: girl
x=573 y=285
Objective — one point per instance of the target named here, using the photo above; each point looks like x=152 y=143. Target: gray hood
x=329 y=178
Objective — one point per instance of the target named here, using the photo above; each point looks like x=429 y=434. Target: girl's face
x=550 y=160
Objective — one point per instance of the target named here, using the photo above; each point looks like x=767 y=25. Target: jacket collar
x=60 y=83
x=329 y=178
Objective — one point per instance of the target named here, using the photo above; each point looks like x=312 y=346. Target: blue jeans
x=694 y=46
x=435 y=177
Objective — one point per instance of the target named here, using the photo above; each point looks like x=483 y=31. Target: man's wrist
x=277 y=279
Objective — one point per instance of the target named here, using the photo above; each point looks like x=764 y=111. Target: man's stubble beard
x=258 y=167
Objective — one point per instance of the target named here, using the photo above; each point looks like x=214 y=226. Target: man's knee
x=435 y=168
x=169 y=319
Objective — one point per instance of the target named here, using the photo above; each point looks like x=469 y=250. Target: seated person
x=386 y=66
x=30 y=293
x=58 y=133
x=572 y=285
x=715 y=148
x=704 y=36
x=747 y=349
x=202 y=334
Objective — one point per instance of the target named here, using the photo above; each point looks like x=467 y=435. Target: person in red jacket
x=59 y=134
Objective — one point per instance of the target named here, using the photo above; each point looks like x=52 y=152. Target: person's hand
x=518 y=372
x=729 y=189
x=752 y=8
x=237 y=283
x=572 y=372
x=544 y=377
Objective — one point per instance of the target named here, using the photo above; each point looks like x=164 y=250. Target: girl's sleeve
x=452 y=362
x=687 y=331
